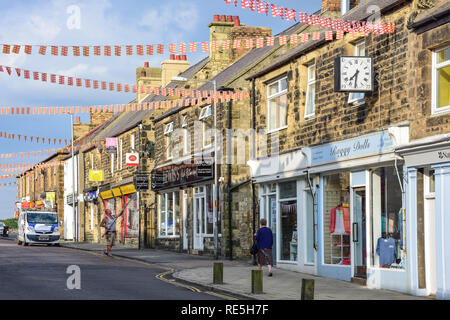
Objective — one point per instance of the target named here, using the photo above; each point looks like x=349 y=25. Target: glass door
x=199 y=209
x=359 y=232
x=272 y=223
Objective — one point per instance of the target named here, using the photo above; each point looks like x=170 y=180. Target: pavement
x=284 y=285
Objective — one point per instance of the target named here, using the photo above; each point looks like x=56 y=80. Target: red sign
x=27 y=204
x=132 y=159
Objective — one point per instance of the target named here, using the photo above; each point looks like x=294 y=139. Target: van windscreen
x=42 y=217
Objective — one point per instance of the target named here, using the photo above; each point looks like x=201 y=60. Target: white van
x=38 y=227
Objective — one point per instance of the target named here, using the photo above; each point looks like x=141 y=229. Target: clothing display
x=340 y=220
x=386 y=249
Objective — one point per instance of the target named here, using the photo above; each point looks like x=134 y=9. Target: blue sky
x=103 y=22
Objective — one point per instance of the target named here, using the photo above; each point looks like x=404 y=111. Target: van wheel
x=57 y=245
x=25 y=244
x=19 y=242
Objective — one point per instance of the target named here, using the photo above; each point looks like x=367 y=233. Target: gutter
x=433 y=18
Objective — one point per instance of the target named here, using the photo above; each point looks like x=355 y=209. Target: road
x=39 y=272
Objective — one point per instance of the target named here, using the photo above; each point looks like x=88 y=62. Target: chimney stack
x=172 y=68
x=147 y=76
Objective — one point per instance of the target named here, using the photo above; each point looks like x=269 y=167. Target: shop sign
x=132 y=159
x=111 y=145
x=27 y=205
x=127 y=189
x=116 y=192
x=366 y=145
x=106 y=194
x=40 y=204
x=91 y=195
x=96 y=175
x=141 y=182
x=70 y=199
x=181 y=174
x=430 y=157
x=50 y=196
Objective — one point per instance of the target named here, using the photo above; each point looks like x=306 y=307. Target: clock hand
x=356 y=77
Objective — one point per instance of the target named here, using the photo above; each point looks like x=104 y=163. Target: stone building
x=332 y=181
x=45 y=180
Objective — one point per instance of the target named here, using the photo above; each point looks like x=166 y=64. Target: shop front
x=286 y=201
x=115 y=198
x=362 y=217
x=92 y=217
x=428 y=203
x=185 y=206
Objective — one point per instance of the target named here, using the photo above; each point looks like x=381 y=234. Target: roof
x=236 y=68
x=359 y=13
x=433 y=17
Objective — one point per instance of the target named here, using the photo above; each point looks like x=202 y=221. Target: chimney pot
x=183 y=57
x=78 y=120
x=229 y=18
x=236 y=20
x=216 y=17
x=146 y=65
x=178 y=57
x=172 y=57
x=223 y=18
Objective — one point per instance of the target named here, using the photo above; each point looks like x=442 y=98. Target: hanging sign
x=50 y=196
x=95 y=175
x=141 y=182
x=132 y=159
x=111 y=145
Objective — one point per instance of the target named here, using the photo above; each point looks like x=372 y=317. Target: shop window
x=311 y=92
x=277 y=104
x=359 y=51
x=441 y=80
x=169 y=214
x=388 y=220
x=288 y=220
x=336 y=215
x=309 y=227
x=132 y=217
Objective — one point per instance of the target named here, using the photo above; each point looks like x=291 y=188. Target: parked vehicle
x=38 y=227
x=5 y=231
x=2 y=226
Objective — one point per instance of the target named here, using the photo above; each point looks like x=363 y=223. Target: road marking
x=220 y=295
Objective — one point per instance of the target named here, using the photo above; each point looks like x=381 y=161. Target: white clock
x=353 y=74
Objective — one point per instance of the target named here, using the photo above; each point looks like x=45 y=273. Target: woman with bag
x=264 y=240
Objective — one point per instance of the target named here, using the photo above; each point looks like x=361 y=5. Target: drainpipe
x=230 y=144
x=313 y=194
x=253 y=107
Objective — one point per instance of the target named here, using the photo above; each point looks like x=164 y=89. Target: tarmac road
x=39 y=272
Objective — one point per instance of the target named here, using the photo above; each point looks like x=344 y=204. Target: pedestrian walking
x=264 y=242
x=109 y=223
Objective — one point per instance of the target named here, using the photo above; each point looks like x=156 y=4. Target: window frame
x=435 y=81
x=165 y=197
x=205 y=115
x=310 y=82
x=360 y=96
x=274 y=96
x=168 y=129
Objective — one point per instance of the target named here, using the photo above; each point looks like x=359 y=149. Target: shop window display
x=132 y=217
x=288 y=215
x=388 y=219
x=336 y=231
x=169 y=214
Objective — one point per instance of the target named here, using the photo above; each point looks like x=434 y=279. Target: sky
x=102 y=22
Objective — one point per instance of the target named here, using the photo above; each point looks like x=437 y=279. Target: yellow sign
x=50 y=196
x=129 y=188
x=95 y=175
x=106 y=194
x=116 y=192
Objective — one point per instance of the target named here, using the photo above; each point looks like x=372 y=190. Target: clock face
x=356 y=74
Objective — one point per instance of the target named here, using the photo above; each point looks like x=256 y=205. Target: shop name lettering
x=177 y=174
x=443 y=154
x=345 y=152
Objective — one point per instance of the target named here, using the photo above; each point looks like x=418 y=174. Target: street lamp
x=215 y=189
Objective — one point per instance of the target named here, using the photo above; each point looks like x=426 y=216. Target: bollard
x=218 y=273
x=257 y=281
x=307 y=289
